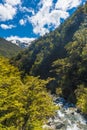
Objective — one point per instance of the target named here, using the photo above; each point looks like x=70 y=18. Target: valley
x=44 y=85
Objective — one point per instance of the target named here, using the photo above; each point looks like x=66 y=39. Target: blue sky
x=30 y=19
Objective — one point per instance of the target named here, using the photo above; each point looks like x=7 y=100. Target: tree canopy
x=24 y=103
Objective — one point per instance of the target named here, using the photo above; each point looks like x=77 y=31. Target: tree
x=24 y=103
x=11 y=87
x=38 y=103
x=71 y=71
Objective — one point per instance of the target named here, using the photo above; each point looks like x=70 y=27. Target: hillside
x=38 y=58
x=8 y=49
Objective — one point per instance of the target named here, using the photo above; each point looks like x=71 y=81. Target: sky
x=30 y=19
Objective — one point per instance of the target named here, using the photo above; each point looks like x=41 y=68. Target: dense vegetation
x=71 y=71
x=8 y=49
x=61 y=54
x=24 y=103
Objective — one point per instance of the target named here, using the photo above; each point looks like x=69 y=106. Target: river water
x=67 y=117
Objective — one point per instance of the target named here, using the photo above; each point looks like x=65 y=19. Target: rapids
x=67 y=117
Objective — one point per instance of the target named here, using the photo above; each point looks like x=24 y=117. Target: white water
x=67 y=118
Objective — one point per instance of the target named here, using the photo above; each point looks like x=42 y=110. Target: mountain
x=61 y=57
x=38 y=58
x=8 y=49
x=21 y=42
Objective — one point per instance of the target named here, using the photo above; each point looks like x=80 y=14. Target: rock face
x=67 y=118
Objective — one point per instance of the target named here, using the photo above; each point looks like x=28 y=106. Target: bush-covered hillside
x=8 y=49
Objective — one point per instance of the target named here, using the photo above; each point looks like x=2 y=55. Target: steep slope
x=38 y=58
x=71 y=71
x=8 y=49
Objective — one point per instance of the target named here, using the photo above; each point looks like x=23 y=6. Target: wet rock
x=59 y=126
x=78 y=111
x=56 y=120
x=49 y=121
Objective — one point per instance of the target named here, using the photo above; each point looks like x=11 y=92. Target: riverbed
x=68 y=117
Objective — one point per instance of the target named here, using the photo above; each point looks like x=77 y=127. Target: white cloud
x=22 y=21
x=42 y=17
x=12 y=2
x=7 y=12
x=4 y=26
x=67 y=4
x=25 y=9
x=50 y=14
x=17 y=39
x=8 y=9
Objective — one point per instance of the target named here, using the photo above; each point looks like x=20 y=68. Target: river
x=67 y=117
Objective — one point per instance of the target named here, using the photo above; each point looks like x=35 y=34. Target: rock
x=47 y=127
x=72 y=113
x=59 y=126
x=60 y=114
x=78 y=111
x=49 y=121
x=56 y=120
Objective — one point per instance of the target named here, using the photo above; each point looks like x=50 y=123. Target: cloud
x=12 y=2
x=67 y=4
x=25 y=9
x=8 y=9
x=41 y=18
x=7 y=12
x=22 y=21
x=50 y=14
x=4 y=26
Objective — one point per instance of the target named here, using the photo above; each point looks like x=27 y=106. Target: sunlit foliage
x=24 y=104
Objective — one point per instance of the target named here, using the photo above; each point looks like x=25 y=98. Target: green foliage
x=71 y=71
x=81 y=93
x=11 y=107
x=39 y=55
x=24 y=104
x=38 y=103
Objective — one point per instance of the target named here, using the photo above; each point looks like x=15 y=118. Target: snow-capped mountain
x=21 y=42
